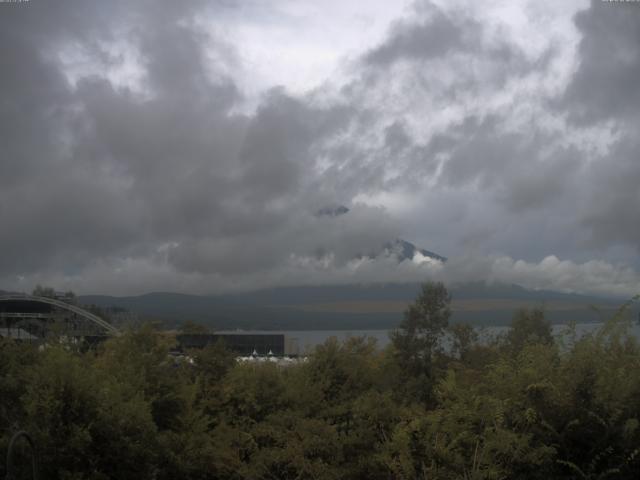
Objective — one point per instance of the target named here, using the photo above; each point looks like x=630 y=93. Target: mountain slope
x=404 y=250
x=350 y=306
x=401 y=249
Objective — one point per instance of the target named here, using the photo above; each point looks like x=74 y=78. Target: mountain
x=352 y=307
x=406 y=251
x=402 y=249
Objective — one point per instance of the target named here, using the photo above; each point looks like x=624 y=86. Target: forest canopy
x=524 y=405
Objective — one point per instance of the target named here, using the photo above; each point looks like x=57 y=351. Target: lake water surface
x=308 y=339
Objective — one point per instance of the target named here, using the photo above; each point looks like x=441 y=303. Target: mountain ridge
x=359 y=306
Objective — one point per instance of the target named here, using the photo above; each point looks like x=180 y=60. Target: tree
x=463 y=338
x=86 y=423
x=528 y=327
x=41 y=291
x=417 y=337
x=193 y=328
x=70 y=297
x=214 y=360
x=211 y=364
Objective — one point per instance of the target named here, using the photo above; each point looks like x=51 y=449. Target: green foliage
x=424 y=322
x=84 y=422
x=463 y=340
x=529 y=327
x=524 y=407
x=417 y=337
x=193 y=327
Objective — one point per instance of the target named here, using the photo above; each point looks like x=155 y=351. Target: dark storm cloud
x=613 y=216
x=509 y=164
x=58 y=205
x=165 y=185
x=93 y=170
x=606 y=83
x=604 y=93
x=42 y=185
x=304 y=237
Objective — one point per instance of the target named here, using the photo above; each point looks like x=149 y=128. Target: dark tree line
x=523 y=406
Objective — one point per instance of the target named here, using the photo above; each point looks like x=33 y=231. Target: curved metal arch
x=72 y=308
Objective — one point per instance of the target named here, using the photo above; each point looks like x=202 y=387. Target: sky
x=188 y=146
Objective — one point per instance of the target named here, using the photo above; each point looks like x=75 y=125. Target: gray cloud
x=113 y=172
x=603 y=93
x=605 y=85
x=613 y=213
x=430 y=34
x=458 y=130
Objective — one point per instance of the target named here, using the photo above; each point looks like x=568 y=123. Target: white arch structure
x=111 y=330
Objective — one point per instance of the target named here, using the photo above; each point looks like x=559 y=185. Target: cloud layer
x=136 y=159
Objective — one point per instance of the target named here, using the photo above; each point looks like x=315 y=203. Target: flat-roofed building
x=242 y=343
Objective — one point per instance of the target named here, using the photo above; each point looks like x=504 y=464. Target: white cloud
x=136 y=276
x=301 y=44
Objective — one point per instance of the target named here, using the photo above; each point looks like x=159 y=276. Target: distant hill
x=350 y=307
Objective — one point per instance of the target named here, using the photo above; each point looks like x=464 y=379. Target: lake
x=308 y=339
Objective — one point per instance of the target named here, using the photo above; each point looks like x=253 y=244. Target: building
x=243 y=344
